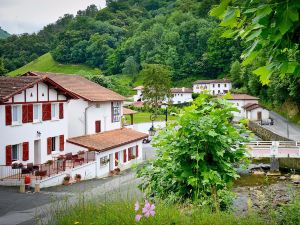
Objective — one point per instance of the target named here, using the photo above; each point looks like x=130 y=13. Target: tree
x=196 y=155
x=130 y=66
x=3 y=71
x=157 y=83
x=270 y=27
x=235 y=74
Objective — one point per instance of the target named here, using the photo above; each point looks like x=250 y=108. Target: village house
x=178 y=96
x=248 y=107
x=213 y=87
x=53 y=125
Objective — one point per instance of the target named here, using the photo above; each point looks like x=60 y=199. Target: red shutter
x=46 y=111
x=25 y=151
x=8 y=155
x=49 y=145
x=24 y=113
x=137 y=151
x=61 y=110
x=30 y=113
x=8 y=117
x=116 y=159
x=124 y=156
x=112 y=112
x=61 y=143
x=129 y=154
x=98 y=126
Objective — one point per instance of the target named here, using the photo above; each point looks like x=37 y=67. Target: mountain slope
x=3 y=34
x=45 y=63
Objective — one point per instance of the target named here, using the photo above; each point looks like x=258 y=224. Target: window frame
x=19 y=114
x=54 y=144
x=116 y=112
x=102 y=164
x=39 y=114
x=19 y=152
x=55 y=111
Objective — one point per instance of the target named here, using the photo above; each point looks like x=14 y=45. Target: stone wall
x=264 y=133
x=290 y=163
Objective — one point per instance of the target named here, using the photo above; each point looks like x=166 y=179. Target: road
x=283 y=127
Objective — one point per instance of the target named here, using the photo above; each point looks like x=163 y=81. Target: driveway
x=283 y=127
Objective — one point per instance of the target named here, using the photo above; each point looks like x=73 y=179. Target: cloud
x=20 y=16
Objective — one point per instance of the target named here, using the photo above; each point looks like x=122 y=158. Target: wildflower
x=136 y=206
x=148 y=209
x=138 y=217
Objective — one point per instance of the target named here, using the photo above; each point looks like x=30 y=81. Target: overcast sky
x=20 y=16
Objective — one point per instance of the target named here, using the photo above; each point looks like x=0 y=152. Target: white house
x=138 y=97
x=248 y=107
x=181 y=95
x=49 y=116
x=213 y=87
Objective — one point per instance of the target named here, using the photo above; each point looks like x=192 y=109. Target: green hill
x=45 y=63
x=3 y=34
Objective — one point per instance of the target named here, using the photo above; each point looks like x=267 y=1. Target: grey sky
x=20 y=16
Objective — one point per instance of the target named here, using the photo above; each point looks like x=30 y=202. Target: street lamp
x=152 y=129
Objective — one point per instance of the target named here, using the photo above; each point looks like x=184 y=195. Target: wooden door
x=259 y=117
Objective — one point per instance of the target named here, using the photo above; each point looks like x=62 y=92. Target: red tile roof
x=242 y=97
x=212 y=81
x=138 y=104
x=181 y=90
x=108 y=140
x=251 y=106
x=82 y=87
x=10 y=86
x=127 y=111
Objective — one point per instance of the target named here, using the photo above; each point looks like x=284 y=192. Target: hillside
x=45 y=63
x=3 y=34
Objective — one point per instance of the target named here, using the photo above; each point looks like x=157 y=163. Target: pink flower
x=138 y=217
x=148 y=209
x=136 y=206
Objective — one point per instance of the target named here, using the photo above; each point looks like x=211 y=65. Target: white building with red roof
x=213 y=87
x=54 y=124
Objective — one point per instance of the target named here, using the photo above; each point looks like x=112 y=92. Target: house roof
x=127 y=111
x=82 y=87
x=138 y=104
x=138 y=88
x=212 y=81
x=242 y=97
x=181 y=90
x=108 y=140
x=251 y=106
x=10 y=86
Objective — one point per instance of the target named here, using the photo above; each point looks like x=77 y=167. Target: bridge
x=274 y=149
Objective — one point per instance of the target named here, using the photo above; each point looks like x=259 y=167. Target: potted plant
x=49 y=162
x=117 y=171
x=67 y=179
x=78 y=177
x=16 y=165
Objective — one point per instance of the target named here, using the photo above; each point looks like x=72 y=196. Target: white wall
x=252 y=115
x=212 y=88
x=239 y=105
x=138 y=95
x=178 y=98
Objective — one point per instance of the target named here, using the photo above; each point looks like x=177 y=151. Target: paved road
x=283 y=127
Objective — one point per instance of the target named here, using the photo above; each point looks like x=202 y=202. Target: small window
x=36 y=112
x=116 y=112
x=225 y=85
x=54 y=111
x=218 y=91
x=181 y=94
x=219 y=85
x=16 y=152
x=16 y=114
x=103 y=161
x=237 y=104
x=213 y=85
x=54 y=144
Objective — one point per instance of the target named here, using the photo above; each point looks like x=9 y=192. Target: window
x=116 y=112
x=54 y=111
x=16 y=114
x=16 y=152
x=213 y=85
x=36 y=113
x=54 y=144
x=225 y=85
x=103 y=161
x=219 y=85
x=218 y=91
x=181 y=94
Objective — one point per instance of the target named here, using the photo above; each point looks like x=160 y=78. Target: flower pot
x=77 y=179
x=66 y=182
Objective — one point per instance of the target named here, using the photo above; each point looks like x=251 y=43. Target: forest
x=128 y=34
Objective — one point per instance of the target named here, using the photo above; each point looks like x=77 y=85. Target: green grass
x=142 y=117
x=46 y=63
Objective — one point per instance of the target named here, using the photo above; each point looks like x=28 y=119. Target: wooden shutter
x=49 y=145
x=25 y=151
x=112 y=112
x=30 y=113
x=116 y=158
x=61 y=110
x=8 y=155
x=98 y=126
x=129 y=153
x=8 y=117
x=46 y=108
x=24 y=113
x=137 y=151
x=61 y=143
x=124 y=156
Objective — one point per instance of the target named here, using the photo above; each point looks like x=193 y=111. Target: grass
x=46 y=63
x=143 y=117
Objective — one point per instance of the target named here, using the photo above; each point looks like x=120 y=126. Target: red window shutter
x=129 y=153
x=46 y=108
x=112 y=112
x=8 y=155
x=61 y=143
x=137 y=151
x=116 y=159
x=98 y=126
x=8 y=117
x=61 y=110
x=25 y=151
x=124 y=156
x=49 y=145
x=30 y=113
x=24 y=113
